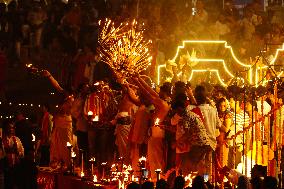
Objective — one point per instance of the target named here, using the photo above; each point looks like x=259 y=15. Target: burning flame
x=142 y=159
x=157 y=121
x=120 y=184
x=69 y=144
x=96 y=118
x=90 y=113
x=82 y=174
x=188 y=179
x=96 y=84
x=92 y=159
x=158 y=170
x=29 y=65
x=73 y=154
x=95 y=178
x=104 y=163
x=34 y=138
x=129 y=167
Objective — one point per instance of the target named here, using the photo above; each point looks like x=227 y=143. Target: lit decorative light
x=90 y=113
x=212 y=42
x=82 y=174
x=95 y=178
x=68 y=144
x=10 y=103
x=249 y=66
x=157 y=122
x=73 y=154
x=142 y=159
x=29 y=65
x=188 y=179
x=124 y=48
x=92 y=160
x=34 y=138
x=96 y=118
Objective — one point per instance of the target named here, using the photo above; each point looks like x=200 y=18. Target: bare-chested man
x=123 y=121
x=155 y=149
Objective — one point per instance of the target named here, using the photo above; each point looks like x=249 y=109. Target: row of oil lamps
x=119 y=172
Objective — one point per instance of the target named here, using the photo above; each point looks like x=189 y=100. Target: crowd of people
x=176 y=126
x=62 y=35
x=180 y=128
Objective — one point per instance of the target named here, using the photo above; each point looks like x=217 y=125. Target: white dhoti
x=122 y=133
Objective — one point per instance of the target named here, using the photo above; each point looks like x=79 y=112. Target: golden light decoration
x=213 y=60
x=124 y=48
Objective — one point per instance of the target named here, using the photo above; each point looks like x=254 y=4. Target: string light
x=222 y=60
x=211 y=42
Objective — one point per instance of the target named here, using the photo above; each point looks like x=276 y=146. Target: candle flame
x=29 y=65
x=34 y=138
x=142 y=159
x=69 y=144
x=93 y=159
x=96 y=118
x=129 y=167
x=82 y=174
x=73 y=154
x=95 y=178
x=90 y=113
x=188 y=179
x=96 y=84
x=157 y=121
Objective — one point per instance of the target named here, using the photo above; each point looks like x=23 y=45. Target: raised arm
x=154 y=99
x=132 y=96
x=147 y=87
x=53 y=81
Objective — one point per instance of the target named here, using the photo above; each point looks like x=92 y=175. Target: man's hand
x=45 y=73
